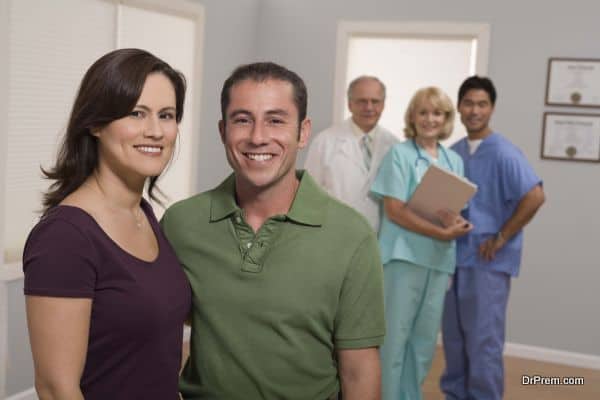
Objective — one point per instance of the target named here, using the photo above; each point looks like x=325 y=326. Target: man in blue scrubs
x=509 y=194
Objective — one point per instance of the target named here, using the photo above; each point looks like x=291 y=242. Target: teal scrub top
x=399 y=174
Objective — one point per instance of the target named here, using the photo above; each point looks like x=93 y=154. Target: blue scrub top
x=503 y=176
x=399 y=174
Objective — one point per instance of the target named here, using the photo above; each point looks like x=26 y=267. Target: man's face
x=366 y=103
x=261 y=133
x=475 y=110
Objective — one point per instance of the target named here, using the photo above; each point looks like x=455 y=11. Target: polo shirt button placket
x=248 y=262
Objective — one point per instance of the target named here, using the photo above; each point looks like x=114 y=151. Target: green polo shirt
x=271 y=308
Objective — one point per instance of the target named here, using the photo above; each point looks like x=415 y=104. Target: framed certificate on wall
x=571 y=137
x=573 y=82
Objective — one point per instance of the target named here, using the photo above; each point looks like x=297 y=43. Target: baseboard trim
x=552 y=356
x=28 y=394
x=545 y=354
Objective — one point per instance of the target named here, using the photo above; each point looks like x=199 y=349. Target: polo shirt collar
x=308 y=207
x=222 y=202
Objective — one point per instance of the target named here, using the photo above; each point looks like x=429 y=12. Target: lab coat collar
x=358 y=133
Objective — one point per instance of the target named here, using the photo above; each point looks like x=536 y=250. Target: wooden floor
x=515 y=368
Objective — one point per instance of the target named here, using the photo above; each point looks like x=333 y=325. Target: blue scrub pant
x=473 y=326
x=414 y=299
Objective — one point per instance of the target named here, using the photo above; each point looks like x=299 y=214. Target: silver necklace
x=139 y=219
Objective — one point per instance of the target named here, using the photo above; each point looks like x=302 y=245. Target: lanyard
x=425 y=160
x=421 y=160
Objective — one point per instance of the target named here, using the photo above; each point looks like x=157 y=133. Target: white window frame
x=4 y=46
x=478 y=32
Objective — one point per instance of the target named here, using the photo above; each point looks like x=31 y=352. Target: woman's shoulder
x=60 y=258
x=64 y=223
x=69 y=222
x=402 y=152
x=403 y=148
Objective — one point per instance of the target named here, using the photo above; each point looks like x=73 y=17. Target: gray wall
x=229 y=40
x=555 y=301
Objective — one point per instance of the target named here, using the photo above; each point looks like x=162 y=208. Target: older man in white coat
x=344 y=158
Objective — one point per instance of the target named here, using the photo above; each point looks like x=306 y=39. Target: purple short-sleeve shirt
x=138 y=307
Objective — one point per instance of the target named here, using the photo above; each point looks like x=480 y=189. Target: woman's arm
x=397 y=212
x=58 y=332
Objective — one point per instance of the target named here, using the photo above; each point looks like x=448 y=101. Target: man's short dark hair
x=260 y=72
x=480 y=83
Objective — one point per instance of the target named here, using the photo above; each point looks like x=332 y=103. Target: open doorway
x=406 y=57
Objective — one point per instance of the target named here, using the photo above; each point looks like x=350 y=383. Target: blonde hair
x=438 y=99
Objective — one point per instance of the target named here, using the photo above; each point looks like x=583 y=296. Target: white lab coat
x=335 y=160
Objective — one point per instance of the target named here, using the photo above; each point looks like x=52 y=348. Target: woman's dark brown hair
x=109 y=91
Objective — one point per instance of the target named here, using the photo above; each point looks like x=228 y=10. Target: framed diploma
x=573 y=82
x=573 y=137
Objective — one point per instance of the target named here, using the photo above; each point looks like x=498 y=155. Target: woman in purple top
x=106 y=298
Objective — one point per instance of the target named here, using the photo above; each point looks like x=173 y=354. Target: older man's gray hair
x=361 y=78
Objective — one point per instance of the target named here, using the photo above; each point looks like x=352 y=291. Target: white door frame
x=194 y=11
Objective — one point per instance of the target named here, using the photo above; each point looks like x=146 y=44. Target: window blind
x=51 y=44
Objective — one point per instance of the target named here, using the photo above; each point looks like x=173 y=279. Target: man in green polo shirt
x=287 y=281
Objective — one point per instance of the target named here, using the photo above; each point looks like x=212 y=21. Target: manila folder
x=440 y=189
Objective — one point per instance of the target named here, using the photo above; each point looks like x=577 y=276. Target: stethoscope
x=426 y=162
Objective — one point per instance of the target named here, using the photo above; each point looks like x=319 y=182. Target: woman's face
x=141 y=143
x=428 y=120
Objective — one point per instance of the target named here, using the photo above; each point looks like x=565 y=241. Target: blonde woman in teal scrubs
x=418 y=256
